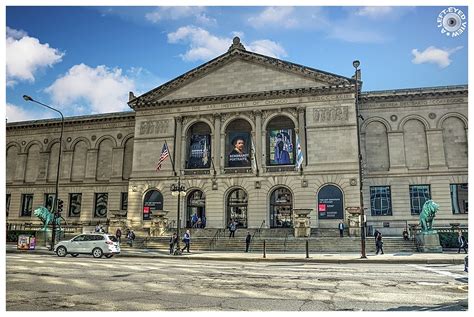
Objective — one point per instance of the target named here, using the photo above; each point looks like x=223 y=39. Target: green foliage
x=450 y=239
x=12 y=235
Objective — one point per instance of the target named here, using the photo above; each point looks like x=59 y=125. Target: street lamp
x=356 y=65
x=178 y=190
x=55 y=205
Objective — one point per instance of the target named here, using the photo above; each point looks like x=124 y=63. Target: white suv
x=97 y=244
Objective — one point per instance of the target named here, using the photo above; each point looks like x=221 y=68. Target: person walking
x=130 y=238
x=462 y=242
x=379 y=244
x=173 y=242
x=341 y=229
x=118 y=234
x=232 y=228
x=186 y=240
x=247 y=241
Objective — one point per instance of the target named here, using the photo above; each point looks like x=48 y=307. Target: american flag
x=163 y=156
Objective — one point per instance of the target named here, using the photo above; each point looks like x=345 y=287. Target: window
x=280 y=141
x=75 y=201
x=237 y=207
x=123 y=201
x=49 y=201
x=380 y=201
x=100 y=209
x=419 y=194
x=26 y=205
x=199 y=146
x=459 y=198
x=238 y=144
x=8 y=199
x=281 y=209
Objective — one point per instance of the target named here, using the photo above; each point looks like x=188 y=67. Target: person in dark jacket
x=118 y=234
x=462 y=242
x=173 y=242
x=186 y=240
x=341 y=228
x=232 y=228
x=247 y=241
x=378 y=244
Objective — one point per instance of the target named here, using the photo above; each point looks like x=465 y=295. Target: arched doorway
x=153 y=201
x=237 y=201
x=196 y=213
x=281 y=208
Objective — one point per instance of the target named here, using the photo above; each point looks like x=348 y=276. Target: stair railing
x=213 y=242
x=284 y=244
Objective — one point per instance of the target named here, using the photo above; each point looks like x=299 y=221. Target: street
x=37 y=282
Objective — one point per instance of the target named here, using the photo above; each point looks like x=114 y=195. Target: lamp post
x=178 y=190
x=356 y=65
x=55 y=205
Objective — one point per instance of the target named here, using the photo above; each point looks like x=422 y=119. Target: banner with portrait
x=238 y=149
x=281 y=147
x=199 y=153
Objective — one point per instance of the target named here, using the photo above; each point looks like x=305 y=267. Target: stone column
x=216 y=144
x=222 y=148
x=180 y=144
x=302 y=133
x=257 y=138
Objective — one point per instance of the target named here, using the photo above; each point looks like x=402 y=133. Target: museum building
x=235 y=129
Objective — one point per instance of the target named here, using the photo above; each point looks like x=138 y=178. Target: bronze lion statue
x=47 y=217
x=430 y=208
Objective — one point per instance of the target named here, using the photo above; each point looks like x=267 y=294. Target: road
x=46 y=282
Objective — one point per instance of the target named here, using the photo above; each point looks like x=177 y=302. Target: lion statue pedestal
x=428 y=239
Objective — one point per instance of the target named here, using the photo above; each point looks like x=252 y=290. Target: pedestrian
x=376 y=233
x=405 y=234
x=118 y=234
x=462 y=242
x=186 y=240
x=194 y=220
x=173 y=242
x=247 y=241
x=379 y=244
x=232 y=228
x=130 y=238
x=97 y=228
x=341 y=229
x=101 y=229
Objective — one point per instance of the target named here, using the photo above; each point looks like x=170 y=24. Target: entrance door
x=196 y=212
x=281 y=208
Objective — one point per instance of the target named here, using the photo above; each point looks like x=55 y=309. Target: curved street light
x=55 y=205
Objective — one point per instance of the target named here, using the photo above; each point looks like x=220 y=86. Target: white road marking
x=450 y=274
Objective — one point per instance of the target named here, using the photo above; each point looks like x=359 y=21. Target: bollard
x=264 y=250
x=307 y=249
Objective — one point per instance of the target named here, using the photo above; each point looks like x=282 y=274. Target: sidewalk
x=339 y=258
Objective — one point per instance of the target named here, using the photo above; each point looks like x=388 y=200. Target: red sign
x=322 y=207
x=146 y=210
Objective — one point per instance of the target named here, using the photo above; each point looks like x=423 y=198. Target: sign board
x=330 y=203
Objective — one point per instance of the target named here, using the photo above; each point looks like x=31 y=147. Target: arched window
x=330 y=203
x=238 y=144
x=127 y=159
x=237 y=201
x=12 y=158
x=455 y=142
x=416 y=147
x=79 y=159
x=153 y=201
x=196 y=213
x=104 y=160
x=198 y=146
x=32 y=163
x=280 y=141
x=281 y=208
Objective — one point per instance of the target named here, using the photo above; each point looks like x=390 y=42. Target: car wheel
x=61 y=251
x=97 y=253
x=74 y=254
x=109 y=256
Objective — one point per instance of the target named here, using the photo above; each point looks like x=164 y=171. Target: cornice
x=414 y=93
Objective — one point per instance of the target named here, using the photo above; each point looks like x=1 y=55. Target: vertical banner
x=199 y=154
x=238 y=149
x=281 y=147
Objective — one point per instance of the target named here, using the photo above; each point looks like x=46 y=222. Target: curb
x=270 y=259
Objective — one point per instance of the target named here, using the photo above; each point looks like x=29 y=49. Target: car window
x=79 y=238
x=113 y=238
x=97 y=237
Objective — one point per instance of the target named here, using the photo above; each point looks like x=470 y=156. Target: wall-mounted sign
x=330 y=203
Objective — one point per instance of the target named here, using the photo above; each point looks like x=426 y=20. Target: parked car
x=97 y=244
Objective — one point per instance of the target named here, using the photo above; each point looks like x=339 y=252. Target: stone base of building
x=429 y=242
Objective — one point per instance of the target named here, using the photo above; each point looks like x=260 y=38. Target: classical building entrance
x=281 y=210
x=196 y=213
x=237 y=207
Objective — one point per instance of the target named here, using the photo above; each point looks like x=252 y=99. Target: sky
x=85 y=60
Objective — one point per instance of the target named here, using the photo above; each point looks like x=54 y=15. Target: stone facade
x=408 y=137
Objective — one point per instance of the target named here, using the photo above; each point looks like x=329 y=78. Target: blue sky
x=85 y=60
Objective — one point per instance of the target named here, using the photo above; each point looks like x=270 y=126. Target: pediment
x=241 y=72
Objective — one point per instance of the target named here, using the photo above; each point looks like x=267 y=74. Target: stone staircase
x=276 y=241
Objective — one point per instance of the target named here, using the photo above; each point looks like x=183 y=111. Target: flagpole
x=171 y=159
x=254 y=154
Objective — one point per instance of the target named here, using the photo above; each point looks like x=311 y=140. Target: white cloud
x=176 y=13
x=374 y=12
x=274 y=16
x=205 y=46
x=26 y=55
x=102 y=89
x=16 y=113
x=434 y=55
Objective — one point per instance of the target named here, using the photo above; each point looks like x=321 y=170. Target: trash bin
x=370 y=230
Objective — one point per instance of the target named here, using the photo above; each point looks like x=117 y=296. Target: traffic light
x=60 y=206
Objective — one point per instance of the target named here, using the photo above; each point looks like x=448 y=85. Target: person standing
x=186 y=240
x=118 y=234
x=173 y=242
x=247 y=241
x=341 y=229
x=131 y=237
x=461 y=242
x=232 y=228
x=379 y=244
